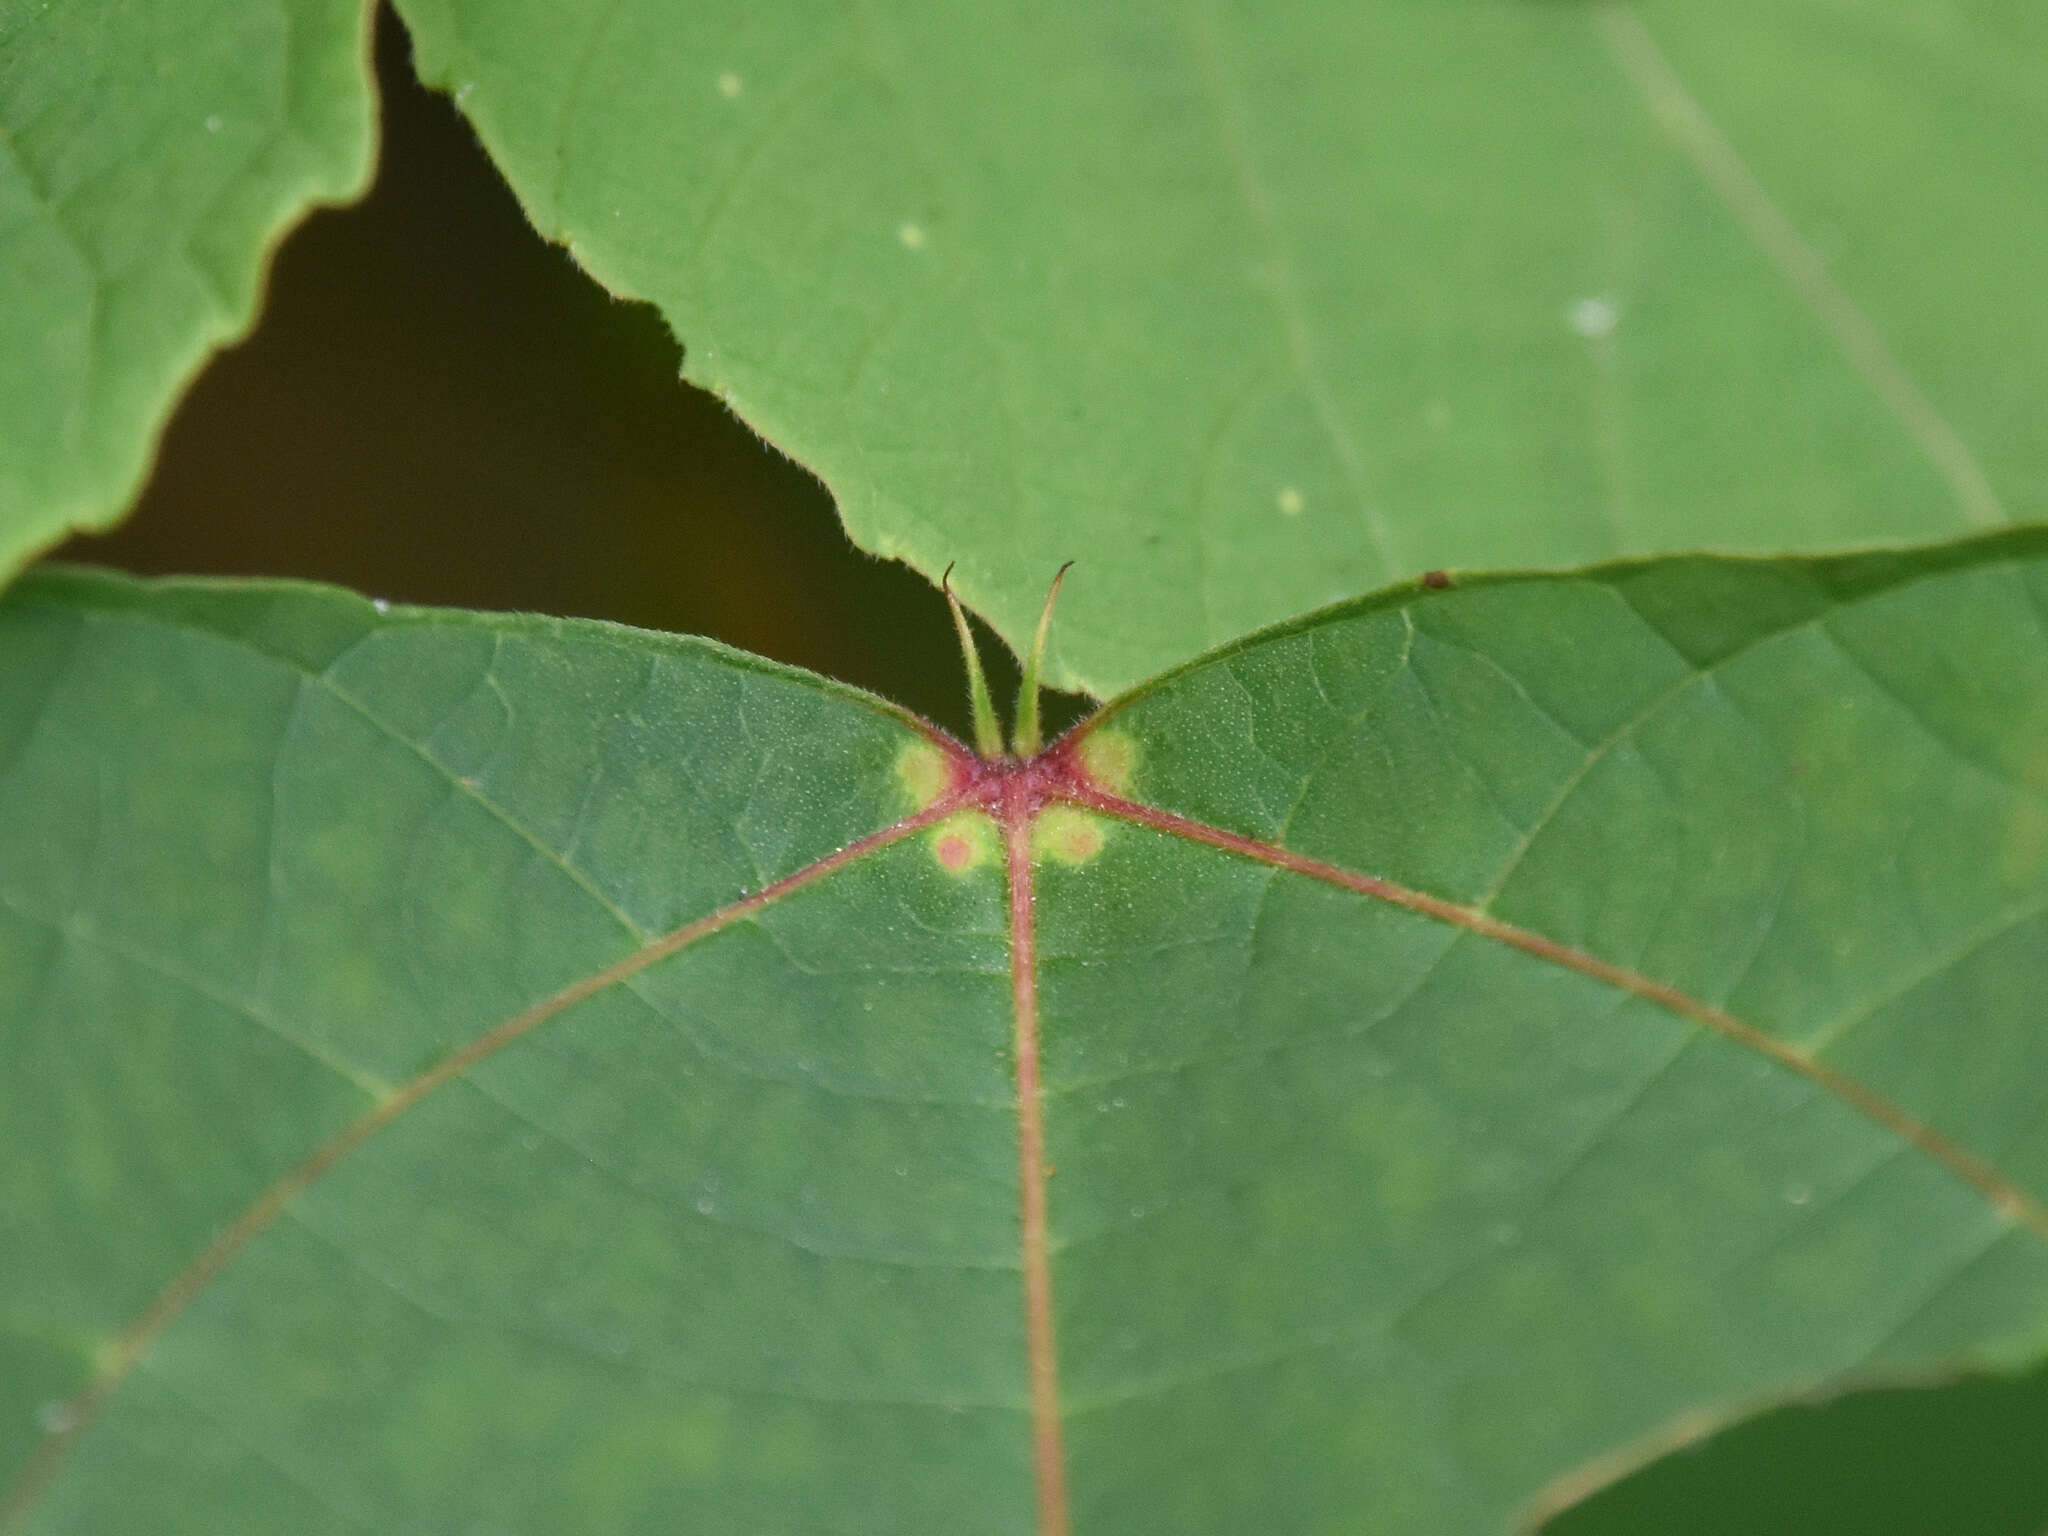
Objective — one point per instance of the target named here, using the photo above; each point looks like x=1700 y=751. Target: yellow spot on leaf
x=2026 y=844
x=1067 y=833
x=912 y=236
x=963 y=842
x=1109 y=757
x=1290 y=501
x=922 y=770
x=730 y=85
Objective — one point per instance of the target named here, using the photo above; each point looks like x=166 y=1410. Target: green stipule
x=1026 y=741
x=988 y=736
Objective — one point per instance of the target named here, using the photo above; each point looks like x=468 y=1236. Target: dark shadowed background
x=438 y=407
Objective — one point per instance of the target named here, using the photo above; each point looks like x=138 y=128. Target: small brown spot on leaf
x=963 y=842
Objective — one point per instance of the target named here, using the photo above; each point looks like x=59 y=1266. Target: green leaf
x=496 y=1073
x=1245 y=310
x=151 y=153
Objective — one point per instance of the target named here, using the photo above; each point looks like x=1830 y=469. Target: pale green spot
x=924 y=772
x=1109 y=758
x=1068 y=834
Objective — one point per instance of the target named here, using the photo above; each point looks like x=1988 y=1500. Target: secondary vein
x=2007 y=1198
x=133 y=1343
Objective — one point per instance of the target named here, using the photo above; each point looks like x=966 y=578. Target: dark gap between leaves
x=437 y=406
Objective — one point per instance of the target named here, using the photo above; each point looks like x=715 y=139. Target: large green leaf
x=468 y=1073
x=151 y=151
x=1250 y=307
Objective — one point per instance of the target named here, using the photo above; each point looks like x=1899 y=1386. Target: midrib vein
x=129 y=1347
x=2004 y=1196
x=1048 y=1459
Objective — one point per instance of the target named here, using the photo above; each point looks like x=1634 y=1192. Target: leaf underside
x=1403 y=1150
x=1249 y=310
x=150 y=155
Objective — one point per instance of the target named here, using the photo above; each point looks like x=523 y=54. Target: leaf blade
x=1246 y=315
x=1418 y=771
x=1351 y=1206
x=155 y=155
x=384 y=996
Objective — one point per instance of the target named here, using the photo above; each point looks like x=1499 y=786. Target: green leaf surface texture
x=1249 y=308
x=151 y=152
x=473 y=1073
